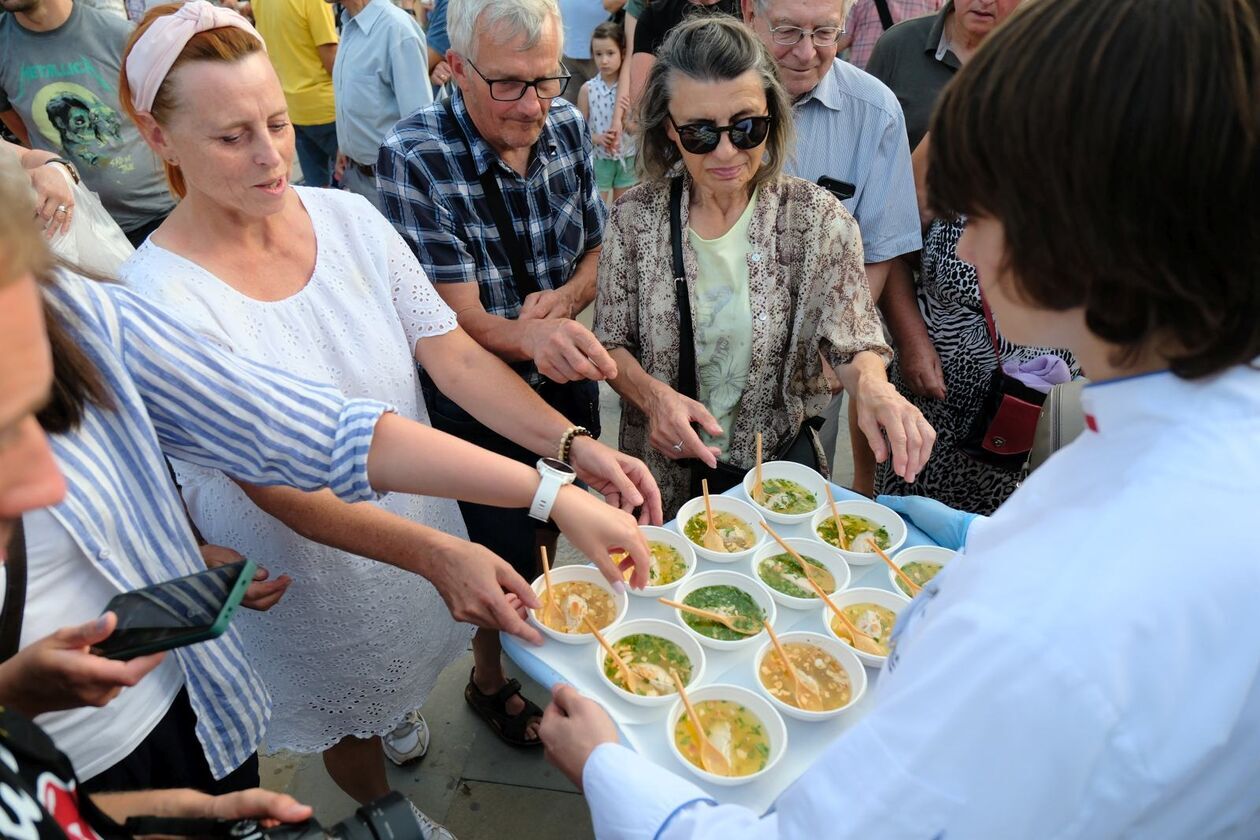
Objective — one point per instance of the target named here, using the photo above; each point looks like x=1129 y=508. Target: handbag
x=1062 y=421
x=1002 y=433
x=804 y=447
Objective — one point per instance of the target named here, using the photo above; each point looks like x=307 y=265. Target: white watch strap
x=545 y=496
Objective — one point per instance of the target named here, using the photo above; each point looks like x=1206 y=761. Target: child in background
x=614 y=153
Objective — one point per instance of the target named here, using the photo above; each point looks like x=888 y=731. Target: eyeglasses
x=700 y=138
x=510 y=90
x=790 y=36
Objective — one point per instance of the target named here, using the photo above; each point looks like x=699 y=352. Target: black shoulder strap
x=14 y=594
x=885 y=15
x=525 y=283
x=686 y=338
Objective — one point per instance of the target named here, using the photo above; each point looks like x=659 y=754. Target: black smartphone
x=176 y=612
x=842 y=190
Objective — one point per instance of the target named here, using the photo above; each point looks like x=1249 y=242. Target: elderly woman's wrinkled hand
x=670 y=419
x=566 y=351
x=624 y=481
x=884 y=413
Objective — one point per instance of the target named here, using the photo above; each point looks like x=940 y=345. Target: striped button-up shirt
x=429 y=173
x=177 y=395
x=850 y=128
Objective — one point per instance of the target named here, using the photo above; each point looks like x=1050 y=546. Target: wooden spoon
x=914 y=588
x=797 y=685
x=757 y=490
x=632 y=679
x=551 y=593
x=861 y=641
x=805 y=564
x=712 y=540
x=725 y=620
x=841 y=538
x=711 y=757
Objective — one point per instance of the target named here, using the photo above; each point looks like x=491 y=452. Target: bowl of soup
x=920 y=563
x=863 y=522
x=651 y=649
x=736 y=596
x=831 y=676
x=580 y=592
x=790 y=493
x=741 y=725
x=874 y=612
x=788 y=581
x=737 y=523
x=673 y=561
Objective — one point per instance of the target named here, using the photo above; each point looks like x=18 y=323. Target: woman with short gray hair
x=773 y=269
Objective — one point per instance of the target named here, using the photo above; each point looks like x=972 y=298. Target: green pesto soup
x=726 y=600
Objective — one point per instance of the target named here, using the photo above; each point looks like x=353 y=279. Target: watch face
x=556 y=466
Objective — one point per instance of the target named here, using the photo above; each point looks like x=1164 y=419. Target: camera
x=388 y=818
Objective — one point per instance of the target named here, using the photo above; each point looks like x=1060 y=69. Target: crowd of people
x=301 y=282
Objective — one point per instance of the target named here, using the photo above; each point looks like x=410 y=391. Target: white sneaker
x=409 y=741
x=431 y=830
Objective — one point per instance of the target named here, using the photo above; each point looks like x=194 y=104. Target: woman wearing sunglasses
x=773 y=271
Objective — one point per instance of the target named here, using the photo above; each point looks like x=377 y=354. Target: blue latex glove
x=944 y=525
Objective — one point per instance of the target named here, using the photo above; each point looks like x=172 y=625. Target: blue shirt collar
x=827 y=91
x=367 y=17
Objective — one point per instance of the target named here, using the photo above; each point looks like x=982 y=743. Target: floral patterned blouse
x=808 y=293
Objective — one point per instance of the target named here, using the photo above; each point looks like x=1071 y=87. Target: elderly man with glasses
x=495 y=192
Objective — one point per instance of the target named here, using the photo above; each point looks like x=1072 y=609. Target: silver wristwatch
x=555 y=474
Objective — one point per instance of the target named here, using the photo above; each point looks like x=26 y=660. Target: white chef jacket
x=1089 y=667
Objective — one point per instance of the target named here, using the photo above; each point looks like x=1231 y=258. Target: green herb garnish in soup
x=782 y=573
x=651 y=658
x=667 y=566
x=736 y=732
x=784 y=496
x=920 y=572
x=858 y=531
x=729 y=601
x=872 y=619
x=736 y=534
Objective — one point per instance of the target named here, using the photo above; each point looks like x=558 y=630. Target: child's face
x=607 y=55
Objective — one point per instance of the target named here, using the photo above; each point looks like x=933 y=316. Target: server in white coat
x=1090 y=666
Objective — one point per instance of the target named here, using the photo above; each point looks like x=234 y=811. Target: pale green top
x=723 y=321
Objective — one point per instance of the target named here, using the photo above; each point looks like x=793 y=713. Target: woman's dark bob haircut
x=1118 y=143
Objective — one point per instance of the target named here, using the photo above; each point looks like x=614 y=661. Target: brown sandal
x=492 y=708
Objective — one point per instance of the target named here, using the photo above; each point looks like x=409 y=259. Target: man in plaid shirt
x=864 y=27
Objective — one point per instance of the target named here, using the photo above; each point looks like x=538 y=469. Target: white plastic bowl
x=685 y=547
x=894 y=601
x=772 y=721
x=884 y=516
x=843 y=653
x=723 y=577
x=808 y=478
x=820 y=551
x=566 y=574
x=726 y=504
x=919 y=554
x=652 y=627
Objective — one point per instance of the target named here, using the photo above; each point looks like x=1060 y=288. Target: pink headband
x=153 y=54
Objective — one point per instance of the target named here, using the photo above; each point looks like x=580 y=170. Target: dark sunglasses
x=701 y=138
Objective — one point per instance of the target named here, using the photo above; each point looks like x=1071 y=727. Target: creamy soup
x=920 y=572
x=824 y=683
x=729 y=601
x=872 y=619
x=736 y=534
x=783 y=573
x=859 y=532
x=782 y=495
x=651 y=658
x=574 y=601
x=735 y=731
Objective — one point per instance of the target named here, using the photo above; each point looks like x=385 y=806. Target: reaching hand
x=54 y=198
x=548 y=303
x=480 y=588
x=599 y=530
x=566 y=351
x=262 y=594
x=882 y=411
x=572 y=727
x=59 y=672
x=921 y=368
x=623 y=480
x=670 y=416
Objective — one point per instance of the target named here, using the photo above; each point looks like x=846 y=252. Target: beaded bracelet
x=566 y=440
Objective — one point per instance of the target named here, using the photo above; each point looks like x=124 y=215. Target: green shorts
x=614 y=174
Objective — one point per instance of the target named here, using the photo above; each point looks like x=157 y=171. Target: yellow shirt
x=292 y=29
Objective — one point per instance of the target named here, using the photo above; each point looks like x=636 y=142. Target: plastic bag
x=95 y=241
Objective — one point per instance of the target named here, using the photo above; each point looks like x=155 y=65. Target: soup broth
x=784 y=496
x=735 y=731
x=651 y=658
x=783 y=573
x=736 y=534
x=825 y=683
x=727 y=600
x=667 y=566
x=919 y=572
x=872 y=619
x=575 y=600
x=858 y=530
